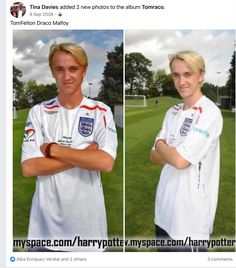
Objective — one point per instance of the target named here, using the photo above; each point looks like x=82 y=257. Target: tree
x=169 y=87
x=161 y=84
x=210 y=91
x=17 y=86
x=42 y=92
x=230 y=84
x=112 y=83
x=137 y=73
x=30 y=93
x=29 y=88
x=33 y=93
x=224 y=91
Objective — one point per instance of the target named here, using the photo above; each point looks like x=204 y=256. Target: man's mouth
x=68 y=83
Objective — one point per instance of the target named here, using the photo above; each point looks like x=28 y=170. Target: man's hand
x=92 y=146
x=91 y=157
x=159 y=140
x=170 y=155
x=67 y=158
x=43 y=148
x=155 y=156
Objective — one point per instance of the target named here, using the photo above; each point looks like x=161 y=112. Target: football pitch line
x=138 y=112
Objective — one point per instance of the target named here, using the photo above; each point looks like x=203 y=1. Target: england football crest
x=186 y=126
x=86 y=126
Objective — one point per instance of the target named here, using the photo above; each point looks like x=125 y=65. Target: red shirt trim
x=105 y=121
x=93 y=108
x=51 y=107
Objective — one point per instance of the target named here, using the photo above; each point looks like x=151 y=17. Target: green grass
x=142 y=125
x=141 y=179
x=23 y=188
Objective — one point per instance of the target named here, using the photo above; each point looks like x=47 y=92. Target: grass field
x=141 y=127
x=23 y=188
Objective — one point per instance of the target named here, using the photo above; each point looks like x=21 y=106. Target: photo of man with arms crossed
x=68 y=140
x=188 y=147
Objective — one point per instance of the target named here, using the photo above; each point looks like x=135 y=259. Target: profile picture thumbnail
x=18 y=10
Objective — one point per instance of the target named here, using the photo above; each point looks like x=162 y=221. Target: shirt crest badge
x=86 y=126
x=186 y=126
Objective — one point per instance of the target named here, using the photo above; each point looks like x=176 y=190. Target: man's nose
x=181 y=80
x=67 y=75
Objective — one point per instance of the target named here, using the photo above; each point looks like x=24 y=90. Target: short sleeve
x=106 y=134
x=201 y=137
x=33 y=136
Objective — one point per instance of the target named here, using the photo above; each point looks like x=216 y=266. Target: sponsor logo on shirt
x=86 y=126
x=29 y=124
x=65 y=141
x=29 y=131
x=28 y=134
x=186 y=126
x=201 y=131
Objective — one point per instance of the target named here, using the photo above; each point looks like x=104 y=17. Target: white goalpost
x=14 y=113
x=135 y=101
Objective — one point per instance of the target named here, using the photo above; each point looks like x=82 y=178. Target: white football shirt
x=69 y=203
x=186 y=199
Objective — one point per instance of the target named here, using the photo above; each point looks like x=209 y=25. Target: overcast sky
x=216 y=47
x=31 y=48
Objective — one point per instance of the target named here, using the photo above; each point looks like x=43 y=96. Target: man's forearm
x=157 y=158
x=41 y=166
x=86 y=159
x=171 y=156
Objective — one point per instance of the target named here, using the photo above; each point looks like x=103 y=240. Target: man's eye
x=174 y=75
x=188 y=74
x=73 y=69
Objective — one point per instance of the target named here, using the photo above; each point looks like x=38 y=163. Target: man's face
x=67 y=72
x=186 y=81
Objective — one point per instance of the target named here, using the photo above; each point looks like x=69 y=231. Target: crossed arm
x=63 y=158
x=166 y=154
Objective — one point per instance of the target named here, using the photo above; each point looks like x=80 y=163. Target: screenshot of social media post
x=121 y=135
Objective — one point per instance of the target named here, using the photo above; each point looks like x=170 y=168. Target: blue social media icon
x=12 y=259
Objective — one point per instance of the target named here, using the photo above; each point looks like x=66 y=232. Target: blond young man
x=188 y=147
x=68 y=140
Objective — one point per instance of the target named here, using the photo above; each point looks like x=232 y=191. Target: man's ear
x=52 y=74
x=202 y=76
x=85 y=71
